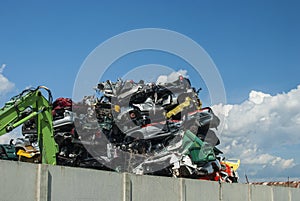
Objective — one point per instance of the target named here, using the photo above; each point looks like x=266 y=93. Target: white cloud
x=260 y=130
x=5 y=87
x=171 y=77
x=5 y=84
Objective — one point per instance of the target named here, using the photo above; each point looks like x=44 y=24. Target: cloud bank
x=5 y=87
x=171 y=77
x=262 y=131
x=5 y=84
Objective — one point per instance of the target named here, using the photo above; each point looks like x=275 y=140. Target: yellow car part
x=29 y=153
x=179 y=107
x=233 y=165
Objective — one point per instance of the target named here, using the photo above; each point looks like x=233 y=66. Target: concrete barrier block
x=295 y=194
x=260 y=192
x=18 y=181
x=234 y=192
x=280 y=193
x=77 y=184
x=196 y=190
x=150 y=188
x=32 y=182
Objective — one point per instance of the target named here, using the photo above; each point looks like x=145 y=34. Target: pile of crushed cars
x=142 y=128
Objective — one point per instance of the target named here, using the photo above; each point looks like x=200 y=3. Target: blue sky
x=254 y=44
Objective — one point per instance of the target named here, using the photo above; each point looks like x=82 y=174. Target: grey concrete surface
x=18 y=181
x=152 y=188
x=77 y=184
x=259 y=192
x=32 y=182
x=281 y=193
x=201 y=190
x=295 y=194
x=234 y=192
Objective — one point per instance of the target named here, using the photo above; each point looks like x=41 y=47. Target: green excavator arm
x=15 y=113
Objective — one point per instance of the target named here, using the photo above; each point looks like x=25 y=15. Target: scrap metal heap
x=160 y=129
x=141 y=128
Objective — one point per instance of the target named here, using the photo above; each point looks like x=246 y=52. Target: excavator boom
x=27 y=105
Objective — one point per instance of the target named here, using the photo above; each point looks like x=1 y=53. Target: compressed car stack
x=160 y=129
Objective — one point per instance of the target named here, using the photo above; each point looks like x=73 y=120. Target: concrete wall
x=31 y=182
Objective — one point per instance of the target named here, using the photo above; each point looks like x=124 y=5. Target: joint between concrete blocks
x=127 y=187
x=182 y=190
x=220 y=191
x=42 y=183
